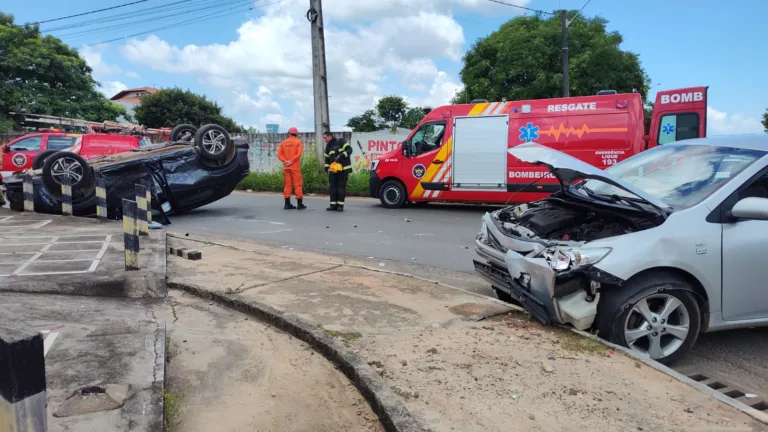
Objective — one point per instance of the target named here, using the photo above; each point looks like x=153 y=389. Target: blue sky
x=256 y=63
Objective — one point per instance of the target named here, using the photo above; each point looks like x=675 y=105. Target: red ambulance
x=459 y=153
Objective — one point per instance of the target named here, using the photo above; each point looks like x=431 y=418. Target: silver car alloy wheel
x=214 y=142
x=657 y=325
x=67 y=167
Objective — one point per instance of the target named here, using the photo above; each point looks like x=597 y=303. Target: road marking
x=26 y=264
x=49 y=336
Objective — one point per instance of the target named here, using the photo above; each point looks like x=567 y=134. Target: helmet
x=293 y=130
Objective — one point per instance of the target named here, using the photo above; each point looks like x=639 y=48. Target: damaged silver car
x=650 y=252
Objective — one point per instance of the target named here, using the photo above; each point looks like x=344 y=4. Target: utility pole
x=564 y=21
x=319 y=77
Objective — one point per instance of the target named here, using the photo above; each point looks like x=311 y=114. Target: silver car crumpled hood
x=567 y=169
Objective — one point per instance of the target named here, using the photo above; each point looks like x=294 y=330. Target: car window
x=757 y=189
x=27 y=144
x=679 y=175
x=429 y=137
x=60 y=142
x=144 y=142
x=678 y=127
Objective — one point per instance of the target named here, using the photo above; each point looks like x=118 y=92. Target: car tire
x=183 y=132
x=74 y=166
x=39 y=160
x=214 y=142
x=634 y=316
x=392 y=194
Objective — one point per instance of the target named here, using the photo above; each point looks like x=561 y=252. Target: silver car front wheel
x=657 y=326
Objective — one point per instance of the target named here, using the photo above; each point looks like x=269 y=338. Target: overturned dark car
x=195 y=168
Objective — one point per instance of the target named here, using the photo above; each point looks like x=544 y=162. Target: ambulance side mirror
x=6 y=149
x=405 y=146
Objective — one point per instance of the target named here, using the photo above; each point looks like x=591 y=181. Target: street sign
x=272 y=128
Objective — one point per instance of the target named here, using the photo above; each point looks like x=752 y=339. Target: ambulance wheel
x=214 y=142
x=392 y=194
x=183 y=132
x=39 y=160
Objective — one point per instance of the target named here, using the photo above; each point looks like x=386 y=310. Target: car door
x=21 y=153
x=426 y=169
x=745 y=248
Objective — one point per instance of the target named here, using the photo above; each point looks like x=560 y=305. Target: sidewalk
x=453 y=369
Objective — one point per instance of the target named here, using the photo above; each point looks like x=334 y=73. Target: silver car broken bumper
x=525 y=279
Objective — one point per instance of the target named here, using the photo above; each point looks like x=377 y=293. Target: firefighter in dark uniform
x=338 y=156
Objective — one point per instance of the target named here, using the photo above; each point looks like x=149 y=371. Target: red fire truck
x=459 y=153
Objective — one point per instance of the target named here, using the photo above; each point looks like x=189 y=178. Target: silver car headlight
x=571 y=258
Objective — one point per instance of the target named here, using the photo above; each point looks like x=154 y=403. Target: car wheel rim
x=67 y=167
x=214 y=142
x=657 y=326
x=392 y=195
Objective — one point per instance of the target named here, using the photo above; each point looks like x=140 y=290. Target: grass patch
x=172 y=349
x=580 y=344
x=348 y=336
x=172 y=409
x=315 y=179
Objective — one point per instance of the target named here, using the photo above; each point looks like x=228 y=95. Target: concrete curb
x=373 y=269
x=391 y=411
x=746 y=409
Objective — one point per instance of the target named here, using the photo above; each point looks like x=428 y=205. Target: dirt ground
x=228 y=372
x=455 y=373
x=510 y=374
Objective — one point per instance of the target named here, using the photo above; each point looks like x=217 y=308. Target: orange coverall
x=290 y=150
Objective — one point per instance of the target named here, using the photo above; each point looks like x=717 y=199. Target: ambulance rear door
x=479 y=157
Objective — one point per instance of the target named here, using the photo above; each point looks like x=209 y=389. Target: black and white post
x=28 y=188
x=22 y=379
x=101 y=197
x=130 y=235
x=66 y=196
x=141 y=206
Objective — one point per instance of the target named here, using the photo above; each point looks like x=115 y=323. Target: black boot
x=301 y=205
x=340 y=208
x=333 y=207
x=288 y=205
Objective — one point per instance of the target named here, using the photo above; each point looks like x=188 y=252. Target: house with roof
x=129 y=98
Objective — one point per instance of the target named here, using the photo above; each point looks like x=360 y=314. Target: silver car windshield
x=679 y=175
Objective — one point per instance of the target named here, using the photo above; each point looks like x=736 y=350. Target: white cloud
x=722 y=123
x=92 y=56
x=131 y=74
x=111 y=88
x=370 y=46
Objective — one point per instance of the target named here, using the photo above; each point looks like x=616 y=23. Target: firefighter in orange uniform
x=289 y=154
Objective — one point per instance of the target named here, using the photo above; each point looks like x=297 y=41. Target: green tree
x=765 y=120
x=41 y=75
x=171 y=107
x=392 y=109
x=368 y=121
x=522 y=60
x=413 y=116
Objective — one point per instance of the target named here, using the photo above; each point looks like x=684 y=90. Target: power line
x=134 y=13
x=521 y=7
x=578 y=13
x=183 y=23
x=144 y=21
x=88 y=13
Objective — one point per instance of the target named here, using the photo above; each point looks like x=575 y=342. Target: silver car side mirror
x=751 y=208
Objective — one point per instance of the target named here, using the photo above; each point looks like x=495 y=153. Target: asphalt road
x=434 y=235
x=439 y=236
